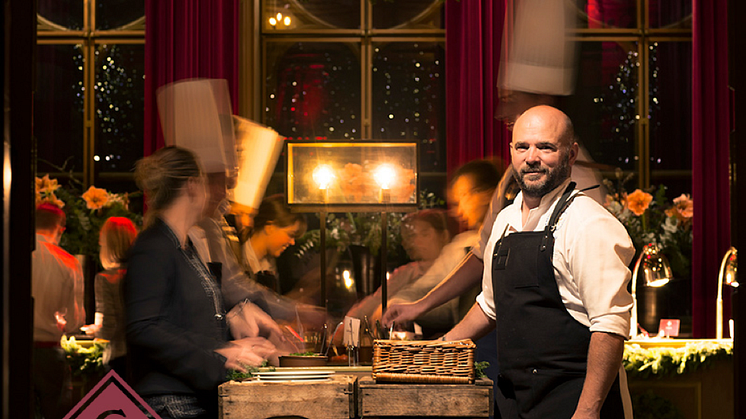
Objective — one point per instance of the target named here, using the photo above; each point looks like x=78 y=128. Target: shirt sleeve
x=600 y=254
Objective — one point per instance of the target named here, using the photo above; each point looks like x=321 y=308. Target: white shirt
x=57 y=287
x=592 y=252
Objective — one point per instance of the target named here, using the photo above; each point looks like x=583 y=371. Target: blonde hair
x=162 y=175
x=116 y=237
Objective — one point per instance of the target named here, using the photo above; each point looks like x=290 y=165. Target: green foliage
x=84 y=361
x=479 y=367
x=364 y=229
x=665 y=361
x=238 y=376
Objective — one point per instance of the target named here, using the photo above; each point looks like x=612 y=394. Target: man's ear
x=574 y=151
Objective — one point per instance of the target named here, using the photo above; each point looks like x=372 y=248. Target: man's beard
x=554 y=177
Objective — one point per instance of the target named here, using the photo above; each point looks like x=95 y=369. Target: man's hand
x=401 y=313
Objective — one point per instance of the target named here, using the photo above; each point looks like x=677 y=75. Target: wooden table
x=348 y=396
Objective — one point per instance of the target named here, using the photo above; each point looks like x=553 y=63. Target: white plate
x=297 y=375
x=292 y=379
x=287 y=373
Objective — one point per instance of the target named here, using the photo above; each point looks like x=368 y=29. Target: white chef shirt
x=592 y=252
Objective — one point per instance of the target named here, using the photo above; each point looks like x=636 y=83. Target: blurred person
x=57 y=290
x=256 y=306
x=275 y=229
x=179 y=347
x=238 y=156
x=470 y=192
x=115 y=238
x=556 y=285
x=539 y=67
x=424 y=235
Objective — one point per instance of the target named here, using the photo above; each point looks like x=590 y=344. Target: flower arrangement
x=86 y=213
x=650 y=218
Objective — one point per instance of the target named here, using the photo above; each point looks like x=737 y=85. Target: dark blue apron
x=542 y=350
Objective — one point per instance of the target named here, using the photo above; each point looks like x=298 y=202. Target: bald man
x=554 y=285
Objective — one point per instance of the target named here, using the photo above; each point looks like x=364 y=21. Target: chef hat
x=539 y=56
x=196 y=114
x=258 y=149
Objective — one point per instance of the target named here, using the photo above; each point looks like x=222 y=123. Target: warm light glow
x=286 y=21
x=347 y=279
x=272 y=21
x=279 y=17
x=323 y=175
x=385 y=175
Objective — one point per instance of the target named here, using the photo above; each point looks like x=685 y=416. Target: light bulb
x=286 y=21
x=323 y=175
x=385 y=176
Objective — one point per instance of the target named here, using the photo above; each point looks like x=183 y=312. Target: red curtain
x=187 y=39
x=473 y=40
x=710 y=146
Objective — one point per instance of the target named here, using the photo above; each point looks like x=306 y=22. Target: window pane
x=310 y=14
x=408 y=97
x=604 y=107
x=119 y=106
x=670 y=116
x=670 y=14
x=410 y=14
x=61 y=14
x=607 y=13
x=313 y=90
x=58 y=107
x=113 y=14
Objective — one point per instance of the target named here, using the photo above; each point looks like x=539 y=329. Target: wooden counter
x=706 y=393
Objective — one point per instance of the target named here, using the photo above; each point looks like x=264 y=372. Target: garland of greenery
x=665 y=362
x=84 y=361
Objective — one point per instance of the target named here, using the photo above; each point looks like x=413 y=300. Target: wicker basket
x=424 y=361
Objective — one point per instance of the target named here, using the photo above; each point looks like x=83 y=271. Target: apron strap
x=562 y=204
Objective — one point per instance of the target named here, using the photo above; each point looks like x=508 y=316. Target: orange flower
x=46 y=185
x=95 y=198
x=638 y=201
x=683 y=208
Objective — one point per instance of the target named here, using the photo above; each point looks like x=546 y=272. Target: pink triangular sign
x=111 y=398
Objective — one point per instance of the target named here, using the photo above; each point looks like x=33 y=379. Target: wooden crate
x=431 y=400
x=331 y=399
